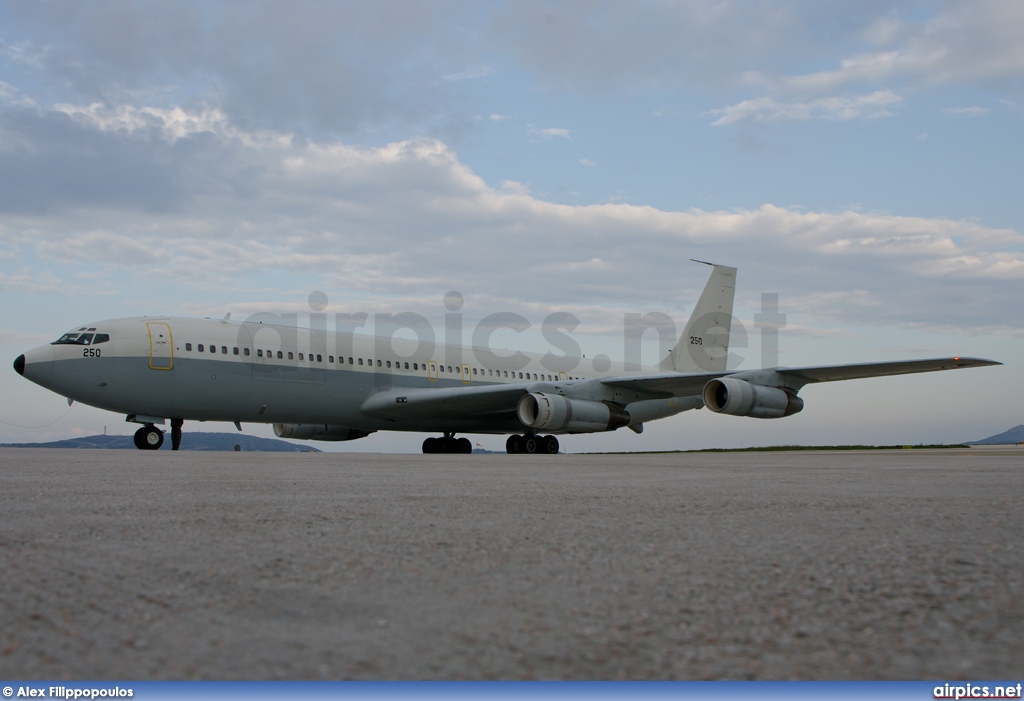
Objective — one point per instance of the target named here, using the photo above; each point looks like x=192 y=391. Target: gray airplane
x=314 y=387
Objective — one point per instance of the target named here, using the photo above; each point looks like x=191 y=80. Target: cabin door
x=161 y=346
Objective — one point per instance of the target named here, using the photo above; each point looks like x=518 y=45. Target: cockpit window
x=79 y=339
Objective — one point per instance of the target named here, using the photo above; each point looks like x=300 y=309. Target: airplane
x=159 y=369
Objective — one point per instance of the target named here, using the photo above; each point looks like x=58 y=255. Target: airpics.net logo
x=564 y=353
x=977 y=691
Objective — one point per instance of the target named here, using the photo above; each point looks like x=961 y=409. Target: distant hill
x=1014 y=435
x=189 y=441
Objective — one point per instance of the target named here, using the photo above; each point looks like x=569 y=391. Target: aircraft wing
x=832 y=373
x=691 y=384
x=499 y=401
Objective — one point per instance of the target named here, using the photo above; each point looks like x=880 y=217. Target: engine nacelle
x=554 y=413
x=728 y=395
x=318 y=432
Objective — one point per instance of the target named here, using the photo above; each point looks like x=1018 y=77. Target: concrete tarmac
x=823 y=565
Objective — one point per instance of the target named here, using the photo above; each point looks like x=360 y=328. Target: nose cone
x=36 y=365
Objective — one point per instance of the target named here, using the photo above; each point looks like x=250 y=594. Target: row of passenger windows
x=397 y=365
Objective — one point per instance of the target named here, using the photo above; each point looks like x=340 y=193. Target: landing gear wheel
x=530 y=444
x=430 y=445
x=463 y=446
x=149 y=438
x=549 y=445
x=514 y=444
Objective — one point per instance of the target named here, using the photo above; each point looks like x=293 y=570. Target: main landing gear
x=531 y=444
x=448 y=444
x=149 y=437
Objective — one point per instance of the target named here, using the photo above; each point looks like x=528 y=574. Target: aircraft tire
x=430 y=446
x=512 y=445
x=149 y=438
x=549 y=445
x=463 y=446
x=530 y=445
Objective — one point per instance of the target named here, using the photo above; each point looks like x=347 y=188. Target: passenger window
x=259 y=352
x=213 y=349
x=188 y=346
x=360 y=361
x=280 y=355
x=407 y=366
x=389 y=363
x=378 y=364
x=224 y=350
x=200 y=347
x=245 y=351
x=234 y=351
x=351 y=363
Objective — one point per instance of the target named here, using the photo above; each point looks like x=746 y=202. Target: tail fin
x=704 y=345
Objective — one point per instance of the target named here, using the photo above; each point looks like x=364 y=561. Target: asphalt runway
x=824 y=565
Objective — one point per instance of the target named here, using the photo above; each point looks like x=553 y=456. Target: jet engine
x=554 y=413
x=729 y=395
x=318 y=432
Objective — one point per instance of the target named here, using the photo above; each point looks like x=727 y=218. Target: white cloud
x=514 y=188
x=173 y=124
x=549 y=132
x=12 y=96
x=765 y=109
x=960 y=44
x=587 y=162
x=973 y=111
x=408 y=218
x=470 y=73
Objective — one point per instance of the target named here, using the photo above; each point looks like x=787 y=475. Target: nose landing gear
x=149 y=437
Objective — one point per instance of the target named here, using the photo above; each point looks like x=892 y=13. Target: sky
x=860 y=160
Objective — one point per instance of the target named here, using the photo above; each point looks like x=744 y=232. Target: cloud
x=955 y=46
x=515 y=188
x=356 y=69
x=973 y=111
x=766 y=109
x=470 y=74
x=549 y=132
x=407 y=219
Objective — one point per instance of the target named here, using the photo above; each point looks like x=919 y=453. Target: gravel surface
x=824 y=565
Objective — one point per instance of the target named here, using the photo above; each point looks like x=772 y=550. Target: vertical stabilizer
x=704 y=345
